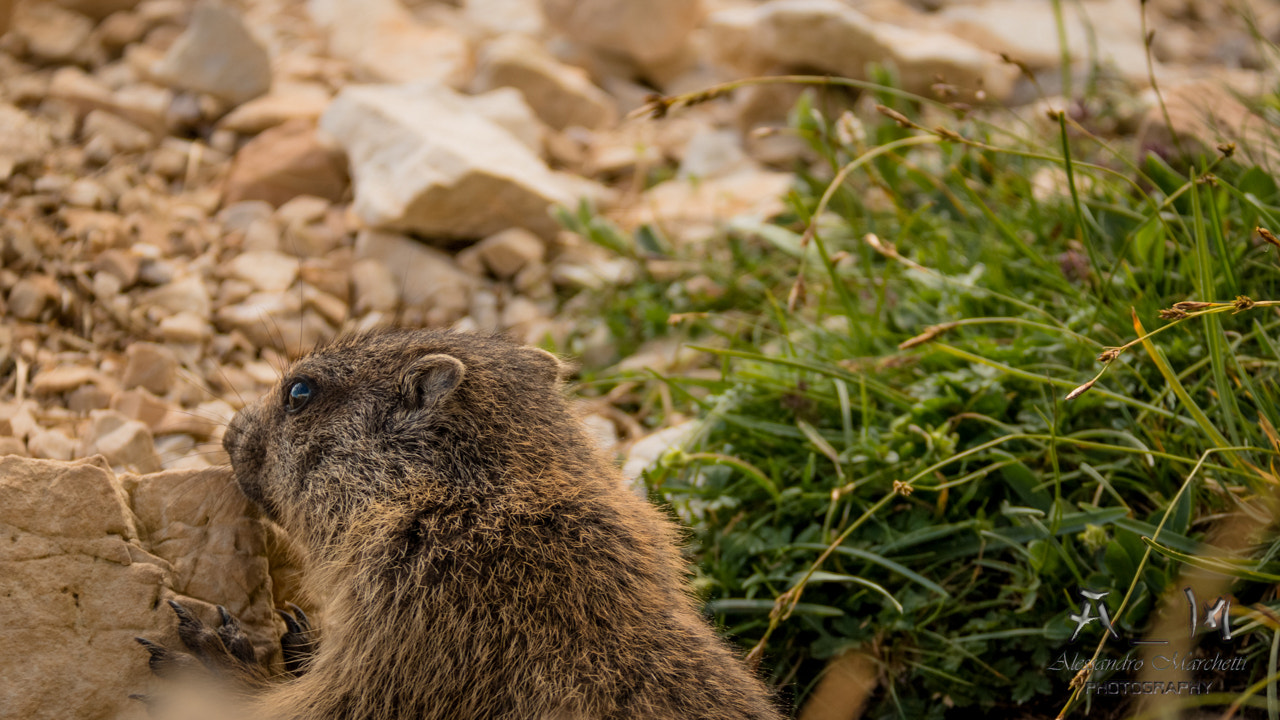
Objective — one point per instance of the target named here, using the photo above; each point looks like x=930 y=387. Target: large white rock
x=385 y=43
x=829 y=36
x=423 y=161
x=647 y=32
x=217 y=55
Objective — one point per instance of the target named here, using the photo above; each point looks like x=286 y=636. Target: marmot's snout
x=245 y=446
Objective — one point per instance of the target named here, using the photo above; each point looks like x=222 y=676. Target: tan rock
x=274 y=320
x=506 y=108
x=23 y=139
x=240 y=216
x=286 y=102
x=421 y=161
x=713 y=153
x=123 y=442
x=520 y=316
x=594 y=275
x=264 y=270
x=510 y=251
x=63 y=378
x=561 y=95
x=13 y=446
x=75 y=588
x=139 y=404
x=85 y=573
x=499 y=17
x=52 y=33
x=217 y=55
x=261 y=235
x=121 y=264
x=207 y=421
x=285 y=162
x=31 y=295
x=426 y=277
x=150 y=366
x=6 y=15
x=534 y=281
x=80 y=89
x=830 y=36
x=1102 y=31
x=385 y=43
x=302 y=210
x=185 y=327
x=332 y=309
x=374 y=287
x=117 y=134
x=690 y=211
x=204 y=529
x=179 y=452
x=484 y=311
x=183 y=294
x=100 y=230
x=1200 y=115
x=647 y=32
x=52 y=444
x=18 y=419
x=646 y=451
x=121 y=28
x=88 y=193
x=602 y=431
x=145 y=104
x=330 y=274
x=97 y=9
x=847 y=685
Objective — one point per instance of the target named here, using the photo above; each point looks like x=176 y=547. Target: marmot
x=478 y=557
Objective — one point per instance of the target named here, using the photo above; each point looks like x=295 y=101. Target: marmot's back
x=478 y=557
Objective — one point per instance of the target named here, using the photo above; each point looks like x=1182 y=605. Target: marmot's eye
x=298 y=396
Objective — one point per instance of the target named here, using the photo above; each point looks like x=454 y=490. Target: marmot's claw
x=149 y=701
x=219 y=650
x=234 y=639
x=290 y=622
x=160 y=660
x=298 y=643
x=300 y=616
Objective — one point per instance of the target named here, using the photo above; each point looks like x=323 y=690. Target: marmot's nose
x=231 y=437
x=238 y=434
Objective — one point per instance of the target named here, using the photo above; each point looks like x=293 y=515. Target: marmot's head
x=373 y=419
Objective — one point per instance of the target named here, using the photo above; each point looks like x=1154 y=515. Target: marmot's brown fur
x=477 y=556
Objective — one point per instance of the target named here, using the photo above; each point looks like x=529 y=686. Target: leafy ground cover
x=984 y=365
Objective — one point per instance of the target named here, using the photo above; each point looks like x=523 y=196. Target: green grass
x=889 y=461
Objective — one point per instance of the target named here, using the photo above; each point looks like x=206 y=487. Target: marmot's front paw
x=299 y=642
x=225 y=651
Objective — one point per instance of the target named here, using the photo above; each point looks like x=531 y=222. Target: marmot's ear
x=430 y=379
x=550 y=368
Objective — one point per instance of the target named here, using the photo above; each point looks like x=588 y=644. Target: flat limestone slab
x=424 y=161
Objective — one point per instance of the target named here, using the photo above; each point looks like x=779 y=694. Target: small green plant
x=909 y=450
